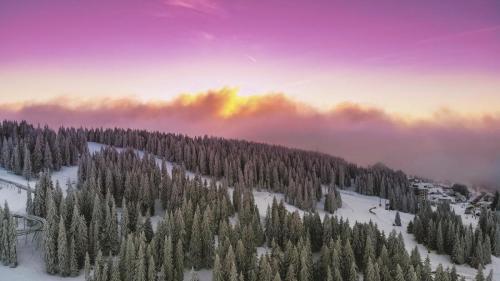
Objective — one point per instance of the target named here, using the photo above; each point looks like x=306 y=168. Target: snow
x=355 y=207
x=16 y=197
x=203 y=275
x=7 y=175
x=31 y=266
x=466 y=219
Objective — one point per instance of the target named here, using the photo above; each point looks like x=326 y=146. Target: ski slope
x=355 y=207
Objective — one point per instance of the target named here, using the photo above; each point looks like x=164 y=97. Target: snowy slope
x=354 y=207
x=16 y=198
x=31 y=266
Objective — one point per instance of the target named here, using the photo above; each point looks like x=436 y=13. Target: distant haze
x=445 y=146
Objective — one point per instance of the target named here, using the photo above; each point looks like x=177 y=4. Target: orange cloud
x=446 y=146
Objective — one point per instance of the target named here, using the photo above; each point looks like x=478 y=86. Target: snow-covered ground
x=16 y=198
x=31 y=265
x=355 y=207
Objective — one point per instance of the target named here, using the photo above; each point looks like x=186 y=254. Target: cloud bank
x=447 y=147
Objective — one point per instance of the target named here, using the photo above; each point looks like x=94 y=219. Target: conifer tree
x=265 y=273
x=47 y=158
x=217 y=274
x=73 y=262
x=347 y=260
x=27 y=168
x=29 y=203
x=195 y=248
x=233 y=274
x=16 y=161
x=458 y=251
x=207 y=239
x=426 y=270
x=353 y=275
x=477 y=258
x=439 y=239
x=87 y=268
x=62 y=250
x=290 y=274
x=140 y=264
x=440 y=274
x=151 y=269
x=487 y=250
x=399 y=274
x=397 y=220
x=98 y=266
x=179 y=258
x=37 y=155
x=369 y=271
x=125 y=221
x=148 y=228
x=410 y=274
x=453 y=274
x=168 y=265
x=4 y=240
x=369 y=252
x=112 y=230
x=278 y=278
x=50 y=237
x=229 y=263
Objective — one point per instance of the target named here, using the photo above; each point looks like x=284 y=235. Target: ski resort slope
x=16 y=198
x=31 y=265
x=355 y=208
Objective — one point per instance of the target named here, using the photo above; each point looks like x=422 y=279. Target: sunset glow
x=325 y=72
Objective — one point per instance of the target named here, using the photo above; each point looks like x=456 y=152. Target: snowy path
x=37 y=222
x=16 y=185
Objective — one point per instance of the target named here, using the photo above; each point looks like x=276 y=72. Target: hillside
x=355 y=207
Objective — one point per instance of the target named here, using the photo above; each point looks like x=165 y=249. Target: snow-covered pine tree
x=62 y=250
x=397 y=220
x=27 y=167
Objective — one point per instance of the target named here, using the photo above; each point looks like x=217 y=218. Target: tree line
x=8 y=239
x=299 y=174
x=27 y=151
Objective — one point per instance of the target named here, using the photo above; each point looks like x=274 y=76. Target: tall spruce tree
x=195 y=248
x=397 y=220
x=217 y=274
x=27 y=168
x=62 y=249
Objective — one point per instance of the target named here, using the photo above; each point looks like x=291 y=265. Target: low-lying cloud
x=447 y=147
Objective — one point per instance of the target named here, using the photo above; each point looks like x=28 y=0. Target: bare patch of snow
x=31 y=265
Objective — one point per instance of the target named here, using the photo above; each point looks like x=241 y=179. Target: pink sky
x=456 y=148
x=439 y=54
x=424 y=66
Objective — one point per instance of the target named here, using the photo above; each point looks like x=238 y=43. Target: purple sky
x=420 y=35
x=416 y=62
